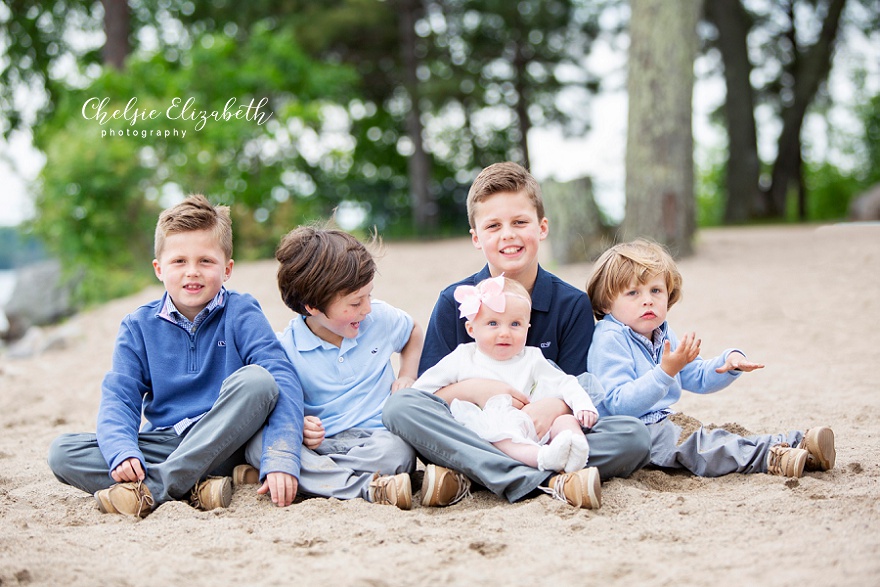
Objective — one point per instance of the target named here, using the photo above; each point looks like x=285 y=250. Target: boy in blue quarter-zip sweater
x=205 y=371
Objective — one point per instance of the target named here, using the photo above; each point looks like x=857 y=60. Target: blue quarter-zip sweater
x=628 y=366
x=167 y=374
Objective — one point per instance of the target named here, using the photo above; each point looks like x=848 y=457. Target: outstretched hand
x=674 y=361
x=737 y=362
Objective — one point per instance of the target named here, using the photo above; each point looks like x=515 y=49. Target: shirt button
x=341 y=359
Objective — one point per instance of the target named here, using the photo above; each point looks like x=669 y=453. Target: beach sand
x=804 y=300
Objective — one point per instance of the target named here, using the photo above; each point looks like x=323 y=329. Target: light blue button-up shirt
x=347 y=386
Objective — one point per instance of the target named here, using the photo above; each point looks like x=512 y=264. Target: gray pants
x=343 y=465
x=712 y=453
x=619 y=445
x=174 y=464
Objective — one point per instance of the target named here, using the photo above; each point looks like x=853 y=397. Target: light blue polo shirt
x=347 y=386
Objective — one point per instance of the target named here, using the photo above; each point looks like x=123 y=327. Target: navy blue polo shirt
x=561 y=323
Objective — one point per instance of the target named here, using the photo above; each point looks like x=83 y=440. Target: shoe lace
x=145 y=499
x=194 y=498
x=558 y=489
x=774 y=458
x=379 y=485
x=463 y=487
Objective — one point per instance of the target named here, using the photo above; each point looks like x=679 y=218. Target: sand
x=804 y=300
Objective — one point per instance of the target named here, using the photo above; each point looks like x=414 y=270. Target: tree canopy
x=382 y=110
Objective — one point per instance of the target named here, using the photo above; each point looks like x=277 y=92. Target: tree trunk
x=810 y=70
x=577 y=234
x=660 y=202
x=522 y=104
x=743 y=164
x=117 y=27
x=424 y=209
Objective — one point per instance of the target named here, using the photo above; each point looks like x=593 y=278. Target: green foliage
x=33 y=36
x=104 y=183
x=830 y=191
x=92 y=213
x=711 y=190
x=870 y=115
x=481 y=67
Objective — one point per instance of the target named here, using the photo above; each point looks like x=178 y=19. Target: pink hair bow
x=489 y=292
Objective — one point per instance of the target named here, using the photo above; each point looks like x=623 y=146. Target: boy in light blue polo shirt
x=341 y=345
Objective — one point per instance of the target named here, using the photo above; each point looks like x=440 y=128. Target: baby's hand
x=738 y=362
x=313 y=432
x=674 y=361
x=402 y=382
x=586 y=418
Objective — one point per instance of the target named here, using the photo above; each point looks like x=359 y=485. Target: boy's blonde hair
x=318 y=264
x=195 y=213
x=626 y=263
x=504 y=177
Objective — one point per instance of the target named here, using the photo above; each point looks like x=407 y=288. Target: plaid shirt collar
x=172 y=314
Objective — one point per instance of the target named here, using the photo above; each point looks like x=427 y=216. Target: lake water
x=7 y=283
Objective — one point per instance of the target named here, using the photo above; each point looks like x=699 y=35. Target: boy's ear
x=157 y=269
x=544 y=227
x=475 y=239
x=227 y=272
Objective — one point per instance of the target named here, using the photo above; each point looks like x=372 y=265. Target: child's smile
x=508 y=231
x=336 y=322
x=193 y=267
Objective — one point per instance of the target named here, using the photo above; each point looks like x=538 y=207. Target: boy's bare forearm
x=411 y=352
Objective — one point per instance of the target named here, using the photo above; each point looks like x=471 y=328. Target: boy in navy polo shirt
x=341 y=345
x=506 y=214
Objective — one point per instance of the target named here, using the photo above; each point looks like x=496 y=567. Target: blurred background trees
x=385 y=110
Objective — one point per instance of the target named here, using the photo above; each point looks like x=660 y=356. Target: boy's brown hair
x=504 y=177
x=318 y=264
x=195 y=213
x=625 y=263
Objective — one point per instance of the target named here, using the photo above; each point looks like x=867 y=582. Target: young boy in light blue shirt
x=644 y=367
x=341 y=345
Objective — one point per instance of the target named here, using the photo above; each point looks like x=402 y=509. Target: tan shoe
x=819 y=443
x=442 y=486
x=213 y=492
x=582 y=489
x=245 y=475
x=786 y=461
x=391 y=490
x=131 y=499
